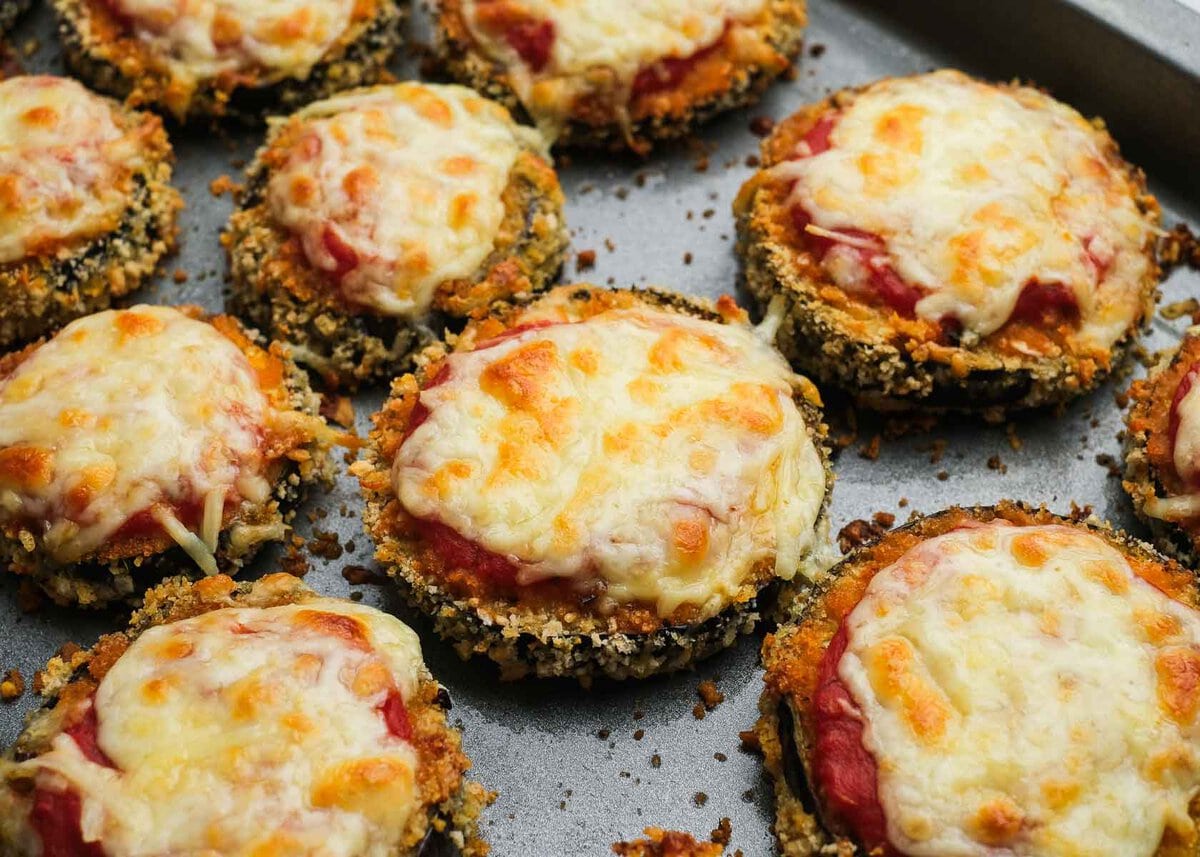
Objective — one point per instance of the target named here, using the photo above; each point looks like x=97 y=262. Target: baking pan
x=575 y=769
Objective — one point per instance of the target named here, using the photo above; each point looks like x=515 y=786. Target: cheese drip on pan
x=1024 y=692
x=130 y=412
x=662 y=453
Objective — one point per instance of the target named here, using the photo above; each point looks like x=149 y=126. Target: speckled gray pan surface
x=563 y=789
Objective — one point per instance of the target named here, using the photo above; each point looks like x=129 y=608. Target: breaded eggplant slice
x=73 y=239
x=599 y=483
x=228 y=58
x=949 y=244
x=10 y=11
x=596 y=74
x=364 y=214
x=141 y=443
x=960 y=686
x=1162 y=456
x=236 y=719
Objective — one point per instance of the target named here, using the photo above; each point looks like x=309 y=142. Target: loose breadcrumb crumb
x=667 y=843
x=12 y=685
x=709 y=694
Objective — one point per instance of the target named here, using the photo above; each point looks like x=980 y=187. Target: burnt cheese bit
x=938 y=242
x=630 y=467
x=591 y=74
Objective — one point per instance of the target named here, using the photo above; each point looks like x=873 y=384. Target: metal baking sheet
x=572 y=773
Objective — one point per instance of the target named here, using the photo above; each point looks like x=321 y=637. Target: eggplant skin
x=462 y=60
x=446 y=828
x=351 y=348
x=100 y=583
x=542 y=643
x=361 y=61
x=800 y=828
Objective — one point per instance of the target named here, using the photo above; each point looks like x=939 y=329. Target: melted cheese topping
x=596 y=34
x=124 y=412
x=409 y=179
x=65 y=163
x=1023 y=690
x=250 y=732
x=661 y=453
x=201 y=39
x=976 y=191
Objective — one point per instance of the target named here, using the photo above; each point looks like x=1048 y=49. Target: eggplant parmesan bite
x=365 y=213
x=237 y=58
x=593 y=73
x=86 y=207
x=258 y=719
x=1162 y=450
x=947 y=243
x=600 y=482
x=989 y=681
x=142 y=442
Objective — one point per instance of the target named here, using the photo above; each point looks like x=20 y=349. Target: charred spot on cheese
x=945 y=220
x=589 y=72
x=395 y=190
x=133 y=431
x=214 y=57
x=1162 y=450
x=611 y=460
x=261 y=720
x=993 y=679
x=369 y=212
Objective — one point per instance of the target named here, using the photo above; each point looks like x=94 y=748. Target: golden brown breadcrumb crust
x=792 y=658
x=276 y=289
x=667 y=843
x=722 y=79
x=449 y=803
x=101 y=50
x=64 y=281
x=1149 y=455
x=298 y=458
x=890 y=362
x=546 y=630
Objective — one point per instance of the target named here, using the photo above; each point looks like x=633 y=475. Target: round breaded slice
x=948 y=244
x=148 y=442
x=260 y=716
x=667 y=68
x=1160 y=476
x=650 y=473
x=368 y=216
x=116 y=219
x=957 y=686
x=228 y=58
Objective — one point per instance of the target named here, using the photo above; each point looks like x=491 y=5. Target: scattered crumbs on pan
x=585 y=260
x=884 y=519
x=816 y=50
x=639 y=734
x=638 y=714
x=938 y=450
x=621 y=193
x=1109 y=462
x=995 y=463
x=720 y=757
x=858 y=532
x=902 y=502
x=761 y=126
x=293 y=561
x=748 y=795
x=709 y=694
x=750 y=742
x=1178 y=247
x=610 y=245
x=603 y=733
x=656 y=761
x=700 y=798
x=690 y=215
x=667 y=843
x=360 y=575
x=752 y=161
x=722 y=833
x=12 y=685
x=1121 y=398
x=1178 y=309
x=698 y=711
x=687 y=257
x=180 y=276
x=640 y=178
x=708 y=213
x=942 y=475
x=222 y=185
x=1014 y=440
x=870 y=450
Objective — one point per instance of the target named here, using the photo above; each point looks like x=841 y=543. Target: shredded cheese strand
x=192 y=544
